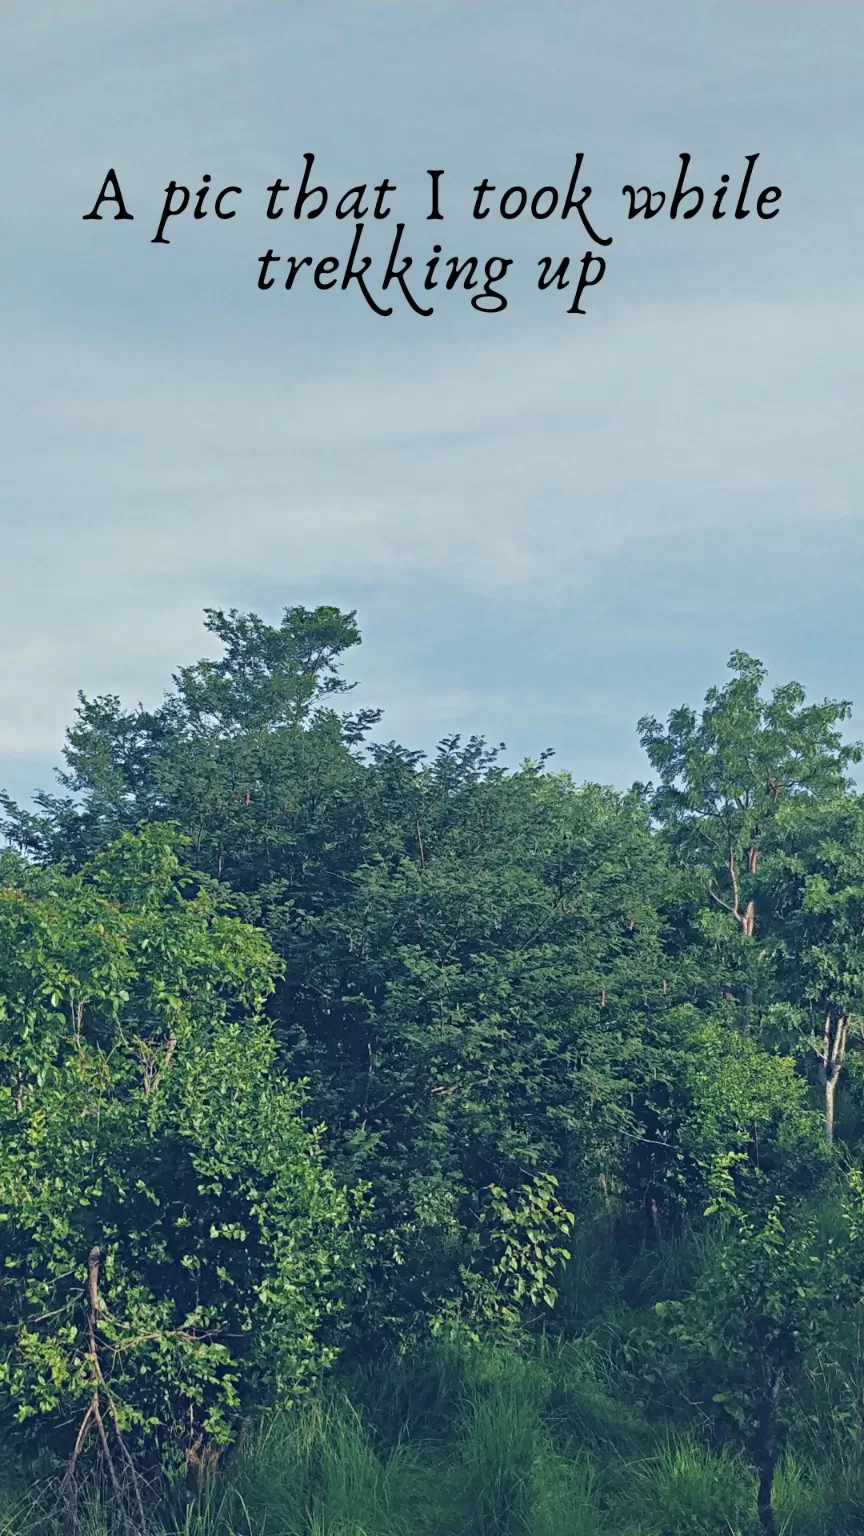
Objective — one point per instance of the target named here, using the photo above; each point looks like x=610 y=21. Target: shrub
x=172 y=1245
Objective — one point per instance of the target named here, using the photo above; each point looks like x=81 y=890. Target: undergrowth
x=456 y=1439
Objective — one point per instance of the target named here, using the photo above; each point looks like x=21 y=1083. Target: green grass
x=685 y=1489
x=469 y=1441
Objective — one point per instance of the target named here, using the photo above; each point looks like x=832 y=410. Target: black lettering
x=436 y=211
x=680 y=193
x=200 y=210
x=113 y=197
x=356 y=276
x=168 y=212
x=278 y=186
x=740 y=211
x=329 y=264
x=484 y=187
x=399 y=275
x=647 y=206
x=488 y=292
x=521 y=198
x=429 y=281
x=349 y=204
x=306 y=191
x=770 y=195
x=217 y=206
x=717 y=211
x=379 y=210
x=559 y=276
x=535 y=203
x=456 y=271
x=578 y=203
x=294 y=267
x=585 y=281
x=263 y=280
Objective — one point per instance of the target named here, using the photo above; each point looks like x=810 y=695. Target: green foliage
x=727 y=774
x=816 y=885
x=527 y=1234
x=685 y=1489
x=717 y=1091
x=755 y=799
x=240 y=754
x=523 y=1256
x=773 y=1290
x=570 y=1038
x=169 y=1237
x=499 y=1462
x=468 y=955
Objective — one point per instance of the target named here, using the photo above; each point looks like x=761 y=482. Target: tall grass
x=462 y=1440
x=685 y=1489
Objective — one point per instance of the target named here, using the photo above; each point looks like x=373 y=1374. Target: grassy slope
x=458 y=1442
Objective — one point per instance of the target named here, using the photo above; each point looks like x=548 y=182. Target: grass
x=473 y=1442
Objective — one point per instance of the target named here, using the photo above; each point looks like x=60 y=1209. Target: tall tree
x=815 y=890
x=726 y=774
x=741 y=784
x=239 y=754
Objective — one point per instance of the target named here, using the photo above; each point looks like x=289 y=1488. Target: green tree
x=492 y=1002
x=777 y=1279
x=815 y=887
x=469 y=954
x=241 y=754
x=713 y=1091
x=173 y=1249
x=752 y=780
x=726 y=775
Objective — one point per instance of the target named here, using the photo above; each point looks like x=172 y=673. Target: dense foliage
x=171 y=1240
x=313 y=1047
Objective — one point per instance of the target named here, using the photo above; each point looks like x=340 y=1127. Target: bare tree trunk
x=764 y=1505
x=749 y=922
x=766 y=1448
x=831 y=1062
x=830 y=1090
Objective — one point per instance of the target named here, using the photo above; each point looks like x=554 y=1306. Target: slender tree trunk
x=767 y=1457
x=749 y=922
x=830 y=1090
x=830 y=1063
x=767 y=1464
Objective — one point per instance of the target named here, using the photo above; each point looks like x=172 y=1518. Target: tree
x=815 y=887
x=777 y=1279
x=467 y=952
x=740 y=784
x=489 y=1004
x=726 y=775
x=238 y=755
x=712 y=1092
x=173 y=1249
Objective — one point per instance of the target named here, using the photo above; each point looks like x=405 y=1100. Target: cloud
x=548 y=523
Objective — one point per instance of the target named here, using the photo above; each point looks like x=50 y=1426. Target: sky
x=549 y=523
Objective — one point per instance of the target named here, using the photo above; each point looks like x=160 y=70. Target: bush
x=173 y=1248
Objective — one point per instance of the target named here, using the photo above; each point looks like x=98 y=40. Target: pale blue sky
x=548 y=524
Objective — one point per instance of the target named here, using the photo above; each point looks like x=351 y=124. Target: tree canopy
x=310 y=1042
